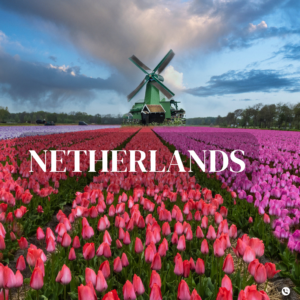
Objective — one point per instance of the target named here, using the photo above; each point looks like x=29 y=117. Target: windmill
x=154 y=108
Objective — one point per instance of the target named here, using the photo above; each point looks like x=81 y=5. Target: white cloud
x=173 y=78
x=260 y=26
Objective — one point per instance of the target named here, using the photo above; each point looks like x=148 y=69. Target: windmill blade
x=161 y=87
x=164 y=62
x=133 y=93
x=139 y=64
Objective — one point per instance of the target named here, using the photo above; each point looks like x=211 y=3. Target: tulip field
x=151 y=235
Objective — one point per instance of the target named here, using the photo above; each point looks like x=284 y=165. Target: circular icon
x=285 y=291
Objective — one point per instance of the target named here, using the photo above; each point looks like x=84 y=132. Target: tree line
x=263 y=116
x=61 y=118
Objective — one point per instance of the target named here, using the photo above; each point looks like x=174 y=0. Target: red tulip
x=186 y=268
x=21 y=265
x=90 y=275
x=40 y=234
x=105 y=268
x=23 y=244
x=195 y=295
x=66 y=240
x=250 y=220
x=181 y=243
x=204 y=247
x=8 y=278
x=174 y=239
x=138 y=285
x=192 y=264
x=162 y=250
x=156 y=262
x=252 y=266
x=260 y=275
x=233 y=231
x=204 y=222
x=85 y=293
x=72 y=254
x=128 y=291
x=228 y=265
x=138 y=246
x=211 y=233
x=40 y=264
x=200 y=267
x=249 y=255
x=119 y=244
x=154 y=279
x=258 y=246
x=218 y=248
x=88 y=251
x=126 y=239
x=266 y=218
x=178 y=270
x=50 y=244
x=271 y=270
x=87 y=232
x=101 y=284
x=117 y=265
x=183 y=292
x=37 y=279
x=64 y=276
x=199 y=233
x=76 y=242
x=224 y=294
x=18 y=279
x=155 y=293
x=124 y=260
x=166 y=229
x=226 y=283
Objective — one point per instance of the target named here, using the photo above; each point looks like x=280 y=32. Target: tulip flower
x=21 y=265
x=64 y=276
x=88 y=251
x=85 y=293
x=8 y=278
x=138 y=285
x=124 y=260
x=183 y=292
x=50 y=244
x=260 y=275
x=204 y=247
x=266 y=218
x=90 y=275
x=72 y=254
x=186 y=268
x=156 y=262
x=200 y=267
x=155 y=293
x=128 y=291
x=117 y=265
x=252 y=267
x=23 y=244
x=66 y=240
x=226 y=283
x=218 y=248
x=105 y=268
x=76 y=242
x=224 y=294
x=271 y=270
x=37 y=279
x=228 y=265
x=138 y=246
x=181 y=243
x=40 y=234
x=101 y=284
x=18 y=279
x=154 y=279
x=211 y=233
x=249 y=255
x=178 y=270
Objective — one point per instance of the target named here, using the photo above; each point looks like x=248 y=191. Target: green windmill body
x=154 y=107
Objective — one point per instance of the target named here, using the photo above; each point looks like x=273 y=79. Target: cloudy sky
x=63 y=55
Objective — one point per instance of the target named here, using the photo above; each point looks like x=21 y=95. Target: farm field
x=145 y=235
